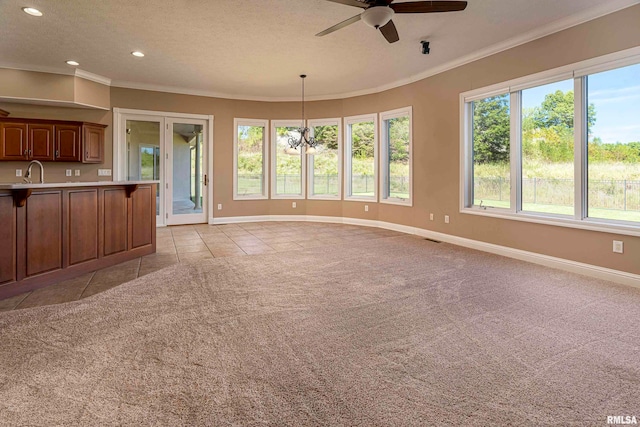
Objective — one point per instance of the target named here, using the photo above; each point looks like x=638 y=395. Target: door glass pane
x=547 y=148
x=188 y=168
x=614 y=144
x=143 y=153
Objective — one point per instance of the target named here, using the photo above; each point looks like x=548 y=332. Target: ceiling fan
x=378 y=13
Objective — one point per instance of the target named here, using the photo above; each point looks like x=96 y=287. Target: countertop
x=35 y=185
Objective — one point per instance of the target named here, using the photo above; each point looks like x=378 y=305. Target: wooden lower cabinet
x=7 y=239
x=61 y=233
x=82 y=225
x=43 y=237
x=115 y=221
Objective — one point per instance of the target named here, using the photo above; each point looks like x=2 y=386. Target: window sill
x=236 y=197
x=590 y=224
x=397 y=202
x=287 y=197
x=361 y=199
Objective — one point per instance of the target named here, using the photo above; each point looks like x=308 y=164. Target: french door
x=173 y=150
x=187 y=178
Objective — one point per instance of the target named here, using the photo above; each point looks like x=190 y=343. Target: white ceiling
x=255 y=49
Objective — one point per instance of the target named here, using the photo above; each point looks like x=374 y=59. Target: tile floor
x=196 y=242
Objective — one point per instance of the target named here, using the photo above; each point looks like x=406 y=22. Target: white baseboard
x=603 y=273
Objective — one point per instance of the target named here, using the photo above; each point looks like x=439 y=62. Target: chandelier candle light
x=304 y=138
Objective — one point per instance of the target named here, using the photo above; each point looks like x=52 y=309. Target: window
x=250 y=159
x=395 y=156
x=361 y=158
x=324 y=165
x=567 y=138
x=491 y=142
x=287 y=171
x=547 y=148
x=614 y=144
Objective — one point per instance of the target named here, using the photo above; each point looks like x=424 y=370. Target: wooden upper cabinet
x=13 y=141
x=68 y=143
x=93 y=143
x=41 y=141
x=51 y=140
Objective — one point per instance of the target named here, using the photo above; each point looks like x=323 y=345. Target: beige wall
x=435 y=103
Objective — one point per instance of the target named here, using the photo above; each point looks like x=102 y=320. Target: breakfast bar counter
x=56 y=231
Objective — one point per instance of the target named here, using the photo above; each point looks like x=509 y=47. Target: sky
x=616 y=97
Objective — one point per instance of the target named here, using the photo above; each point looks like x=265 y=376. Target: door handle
x=206 y=181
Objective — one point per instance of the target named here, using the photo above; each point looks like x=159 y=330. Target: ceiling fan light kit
x=378 y=13
x=377 y=16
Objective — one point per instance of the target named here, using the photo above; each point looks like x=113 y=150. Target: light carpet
x=395 y=331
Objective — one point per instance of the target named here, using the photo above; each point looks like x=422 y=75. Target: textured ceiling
x=256 y=49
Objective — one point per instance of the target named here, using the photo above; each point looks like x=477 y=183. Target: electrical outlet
x=294 y=205
x=219 y=206
x=446 y=219
x=618 y=246
x=366 y=208
x=104 y=172
x=431 y=216
x=77 y=172
x=67 y=172
x=18 y=172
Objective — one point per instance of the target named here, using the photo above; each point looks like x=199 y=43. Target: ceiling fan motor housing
x=377 y=16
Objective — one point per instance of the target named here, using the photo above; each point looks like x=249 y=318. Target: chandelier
x=304 y=138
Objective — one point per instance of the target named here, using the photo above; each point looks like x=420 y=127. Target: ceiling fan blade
x=355 y=3
x=389 y=32
x=428 y=6
x=339 y=26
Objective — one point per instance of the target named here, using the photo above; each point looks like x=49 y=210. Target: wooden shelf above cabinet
x=51 y=140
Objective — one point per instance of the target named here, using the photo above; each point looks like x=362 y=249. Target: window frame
x=348 y=121
x=286 y=123
x=384 y=155
x=324 y=122
x=579 y=72
x=265 y=157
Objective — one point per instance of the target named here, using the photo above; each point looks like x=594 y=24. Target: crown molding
x=92 y=77
x=606 y=8
x=74 y=72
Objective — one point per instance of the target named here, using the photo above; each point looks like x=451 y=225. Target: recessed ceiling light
x=137 y=53
x=72 y=62
x=32 y=11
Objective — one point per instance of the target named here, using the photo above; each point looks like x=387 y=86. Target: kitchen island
x=56 y=231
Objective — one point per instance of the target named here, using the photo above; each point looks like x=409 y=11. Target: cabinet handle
x=57 y=153
x=29 y=152
x=25 y=152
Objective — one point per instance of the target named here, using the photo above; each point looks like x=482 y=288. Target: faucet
x=27 y=175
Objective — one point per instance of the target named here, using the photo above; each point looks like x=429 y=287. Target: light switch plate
x=104 y=172
x=67 y=172
x=77 y=172
x=18 y=172
x=618 y=246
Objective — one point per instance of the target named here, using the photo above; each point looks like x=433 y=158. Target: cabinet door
x=13 y=141
x=68 y=143
x=7 y=238
x=40 y=141
x=93 y=144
